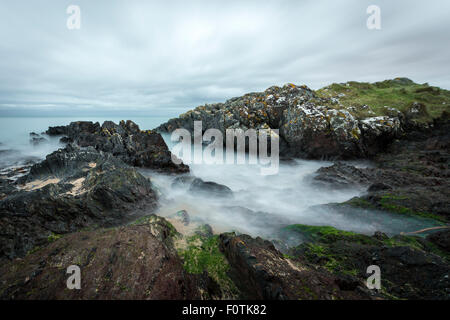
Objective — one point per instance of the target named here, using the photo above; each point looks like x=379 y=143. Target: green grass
x=397 y=93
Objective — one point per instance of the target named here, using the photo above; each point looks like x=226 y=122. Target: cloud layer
x=165 y=57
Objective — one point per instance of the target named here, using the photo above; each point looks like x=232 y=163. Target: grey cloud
x=164 y=57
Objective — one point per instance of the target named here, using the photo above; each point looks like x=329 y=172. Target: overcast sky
x=165 y=57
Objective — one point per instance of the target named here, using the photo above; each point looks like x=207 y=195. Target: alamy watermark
x=374 y=280
x=374 y=20
x=74 y=281
x=74 y=20
x=213 y=153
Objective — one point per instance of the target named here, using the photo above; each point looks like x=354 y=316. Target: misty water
x=261 y=205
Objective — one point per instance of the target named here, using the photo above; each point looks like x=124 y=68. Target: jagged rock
x=125 y=141
x=262 y=272
x=131 y=262
x=70 y=190
x=307 y=128
x=341 y=175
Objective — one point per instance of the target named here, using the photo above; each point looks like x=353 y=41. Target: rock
x=309 y=126
x=341 y=175
x=416 y=110
x=204 y=230
x=181 y=216
x=378 y=186
x=37 y=141
x=198 y=186
x=441 y=239
x=72 y=189
x=130 y=262
x=262 y=272
x=125 y=141
x=410 y=268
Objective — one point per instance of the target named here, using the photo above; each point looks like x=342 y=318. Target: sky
x=158 y=58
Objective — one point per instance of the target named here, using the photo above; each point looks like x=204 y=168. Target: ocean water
x=276 y=200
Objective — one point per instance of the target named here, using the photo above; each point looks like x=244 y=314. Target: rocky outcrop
x=262 y=272
x=410 y=177
x=131 y=262
x=310 y=126
x=70 y=190
x=411 y=267
x=125 y=141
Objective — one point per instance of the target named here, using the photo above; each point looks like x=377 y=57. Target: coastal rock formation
x=411 y=176
x=125 y=141
x=262 y=272
x=70 y=190
x=411 y=267
x=131 y=262
x=332 y=122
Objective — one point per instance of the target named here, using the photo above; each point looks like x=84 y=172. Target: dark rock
x=70 y=190
x=37 y=141
x=198 y=186
x=262 y=272
x=132 y=262
x=125 y=141
x=341 y=175
x=307 y=128
x=410 y=268
x=441 y=239
x=65 y=140
x=204 y=230
x=378 y=186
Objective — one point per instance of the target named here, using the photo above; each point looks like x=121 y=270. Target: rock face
x=262 y=272
x=309 y=126
x=125 y=141
x=70 y=190
x=131 y=262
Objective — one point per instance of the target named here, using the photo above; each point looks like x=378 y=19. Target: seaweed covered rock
x=70 y=190
x=131 y=262
x=125 y=141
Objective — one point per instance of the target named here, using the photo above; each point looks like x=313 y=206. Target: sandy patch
x=78 y=185
x=37 y=184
